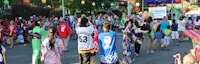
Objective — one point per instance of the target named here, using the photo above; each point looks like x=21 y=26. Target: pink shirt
x=95 y=40
x=52 y=56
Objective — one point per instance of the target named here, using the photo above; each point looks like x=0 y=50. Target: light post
x=172 y=15
x=63 y=9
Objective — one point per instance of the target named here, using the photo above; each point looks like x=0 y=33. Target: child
x=95 y=42
x=167 y=33
x=158 y=38
x=175 y=35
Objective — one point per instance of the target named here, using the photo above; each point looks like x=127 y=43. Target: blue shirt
x=158 y=35
x=69 y=23
x=18 y=30
x=99 y=26
x=107 y=41
x=174 y=27
x=163 y=25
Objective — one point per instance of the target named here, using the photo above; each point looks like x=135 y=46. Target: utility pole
x=142 y=5
x=63 y=9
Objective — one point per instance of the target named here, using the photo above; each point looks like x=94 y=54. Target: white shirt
x=197 y=23
x=181 y=25
x=85 y=37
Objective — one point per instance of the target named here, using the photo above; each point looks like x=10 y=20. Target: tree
x=77 y=6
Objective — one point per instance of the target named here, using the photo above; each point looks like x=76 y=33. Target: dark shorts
x=111 y=63
x=86 y=57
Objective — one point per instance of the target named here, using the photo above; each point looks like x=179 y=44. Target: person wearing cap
x=38 y=35
x=64 y=33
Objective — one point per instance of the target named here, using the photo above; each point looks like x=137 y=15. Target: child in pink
x=95 y=42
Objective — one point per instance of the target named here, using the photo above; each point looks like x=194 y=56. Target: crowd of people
x=49 y=36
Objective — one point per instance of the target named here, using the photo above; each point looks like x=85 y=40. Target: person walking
x=107 y=41
x=38 y=35
x=84 y=30
x=52 y=48
x=64 y=33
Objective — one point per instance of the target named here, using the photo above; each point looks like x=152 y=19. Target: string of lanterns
x=188 y=4
x=137 y=9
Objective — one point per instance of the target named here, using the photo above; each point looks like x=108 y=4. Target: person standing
x=38 y=35
x=96 y=46
x=181 y=28
x=52 y=48
x=139 y=34
x=175 y=35
x=107 y=41
x=84 y=30
x=12 y=29
x=99 y=25
x=147 y=36
x=64 y=33
x=128 y=43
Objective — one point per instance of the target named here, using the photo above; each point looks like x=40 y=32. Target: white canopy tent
x=195 y=12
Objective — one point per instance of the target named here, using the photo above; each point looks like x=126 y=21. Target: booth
x=195 y=36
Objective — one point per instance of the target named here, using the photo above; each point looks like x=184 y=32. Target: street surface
x=23 y=55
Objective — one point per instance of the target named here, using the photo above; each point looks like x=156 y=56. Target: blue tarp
x=158 y=1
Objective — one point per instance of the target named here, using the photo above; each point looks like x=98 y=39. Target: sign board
x=158 y=12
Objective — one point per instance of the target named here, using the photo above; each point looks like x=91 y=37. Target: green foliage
x=77 y=6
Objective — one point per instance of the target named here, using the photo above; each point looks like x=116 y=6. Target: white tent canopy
x=195 y=12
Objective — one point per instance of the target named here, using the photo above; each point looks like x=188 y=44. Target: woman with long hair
x=151 y=35
x=12 y=29
x=52 y=48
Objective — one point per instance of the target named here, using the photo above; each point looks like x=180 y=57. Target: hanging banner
x=158 y=1
x=158 y=12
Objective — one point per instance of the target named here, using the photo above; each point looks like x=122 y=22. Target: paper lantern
x=151 y=5
x=93 y=3
x=82 y=2
x=178 y=1
x=187 y=10
x=137 y=9
x=177 y=6
x=122 y=3
x=188 y=0
x=137 y=4
x=26 y=1
x=44 y=1
x=70 y=0
x=137 y=0
x=6 y=2
x=111 y=4
x=188 y=4
x=102 y=4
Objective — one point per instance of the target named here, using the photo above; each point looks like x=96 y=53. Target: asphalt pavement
x=23 y=55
